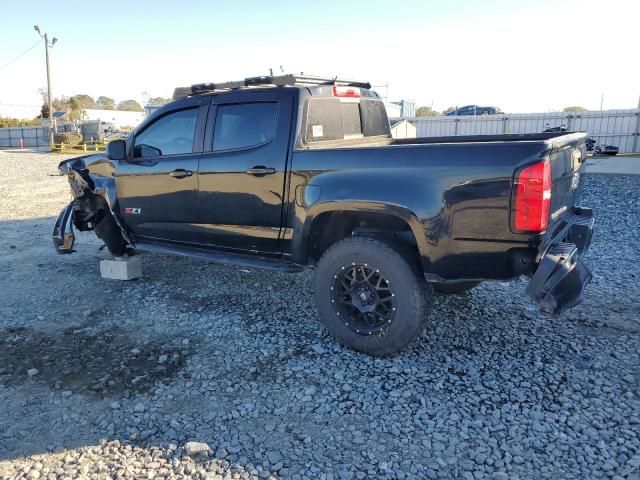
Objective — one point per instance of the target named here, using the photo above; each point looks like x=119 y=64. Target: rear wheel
x=453 y=288
x=369 y=297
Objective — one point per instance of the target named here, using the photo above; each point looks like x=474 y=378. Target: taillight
x=345 y=91
x=532 y=197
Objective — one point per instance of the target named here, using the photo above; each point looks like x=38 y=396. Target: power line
x=21 y=55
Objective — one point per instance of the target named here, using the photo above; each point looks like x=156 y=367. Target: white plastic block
x=121 y=268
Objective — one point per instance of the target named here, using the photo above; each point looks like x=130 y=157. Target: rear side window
x=345 y=118
x=244 y=125
x=171 y=134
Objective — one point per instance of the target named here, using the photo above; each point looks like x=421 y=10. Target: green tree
x=156 y=101
x=60 y=104
x=574 y=109
x=105 y=103
x=76 y=109
x=18 y=122
x=448 y=110
x=83 y=101
x=130 y=105
x=426 y=112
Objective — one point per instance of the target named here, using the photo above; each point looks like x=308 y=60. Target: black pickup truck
x=291 y=172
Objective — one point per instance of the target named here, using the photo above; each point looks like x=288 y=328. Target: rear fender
x=353 y=206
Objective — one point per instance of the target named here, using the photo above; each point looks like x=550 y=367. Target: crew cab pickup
x=292 y=172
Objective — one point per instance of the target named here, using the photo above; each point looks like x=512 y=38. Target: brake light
x=532 y=197
x=346 y=91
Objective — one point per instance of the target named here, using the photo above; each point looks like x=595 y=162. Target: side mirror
x=117 y=150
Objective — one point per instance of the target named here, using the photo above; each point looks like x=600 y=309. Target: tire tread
x=420 y=289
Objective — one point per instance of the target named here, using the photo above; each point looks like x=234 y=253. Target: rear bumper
x=561 y=277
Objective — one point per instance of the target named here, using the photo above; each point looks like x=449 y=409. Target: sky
x=522 y=56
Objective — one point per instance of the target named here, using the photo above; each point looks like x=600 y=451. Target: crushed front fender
x=63 y=236
x=93 y=209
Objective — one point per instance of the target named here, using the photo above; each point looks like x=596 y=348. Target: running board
x=221 y=257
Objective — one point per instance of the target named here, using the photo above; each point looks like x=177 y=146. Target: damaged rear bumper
x=561 y=277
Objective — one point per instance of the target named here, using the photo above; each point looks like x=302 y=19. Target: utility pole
x=601 y=100
x=49 y=96
x=637 y=134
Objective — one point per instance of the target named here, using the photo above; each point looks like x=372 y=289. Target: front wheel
x=369 y=297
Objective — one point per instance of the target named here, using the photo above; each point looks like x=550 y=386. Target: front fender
x=94 y=206
x=63 y=236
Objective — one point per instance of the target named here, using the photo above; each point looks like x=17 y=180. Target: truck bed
x=456 y=192
x=380 y=142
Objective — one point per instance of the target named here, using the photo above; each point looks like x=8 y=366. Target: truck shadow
x=105 y=363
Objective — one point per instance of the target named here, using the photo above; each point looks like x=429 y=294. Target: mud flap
x=63 y=236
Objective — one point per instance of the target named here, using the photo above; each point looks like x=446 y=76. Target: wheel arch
x=330 y=222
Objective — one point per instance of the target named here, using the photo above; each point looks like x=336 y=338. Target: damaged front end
x=92 y=208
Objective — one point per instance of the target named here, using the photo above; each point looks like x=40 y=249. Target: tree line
x=75 y=104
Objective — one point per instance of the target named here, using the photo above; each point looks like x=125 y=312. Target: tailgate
x=567 y=155
x=561 y=276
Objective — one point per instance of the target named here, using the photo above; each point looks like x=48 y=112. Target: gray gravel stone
x=196 y=448
x=493 y=390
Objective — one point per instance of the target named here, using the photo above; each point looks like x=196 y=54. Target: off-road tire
x=454 y=288
x=412 y=293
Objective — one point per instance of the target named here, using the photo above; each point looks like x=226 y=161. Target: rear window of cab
x=334 y=118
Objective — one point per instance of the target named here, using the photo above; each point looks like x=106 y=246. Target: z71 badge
x=132 y=211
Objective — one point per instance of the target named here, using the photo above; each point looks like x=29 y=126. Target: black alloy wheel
x=371 y=295
x=363 y=298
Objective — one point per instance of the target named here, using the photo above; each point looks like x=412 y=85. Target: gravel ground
x=213 y=372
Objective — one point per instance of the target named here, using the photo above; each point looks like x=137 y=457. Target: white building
x=149 y=109
x=403 y=129
x=120 y=118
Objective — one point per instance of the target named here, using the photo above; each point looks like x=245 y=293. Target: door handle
x=180 y=173
x=259 y=171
